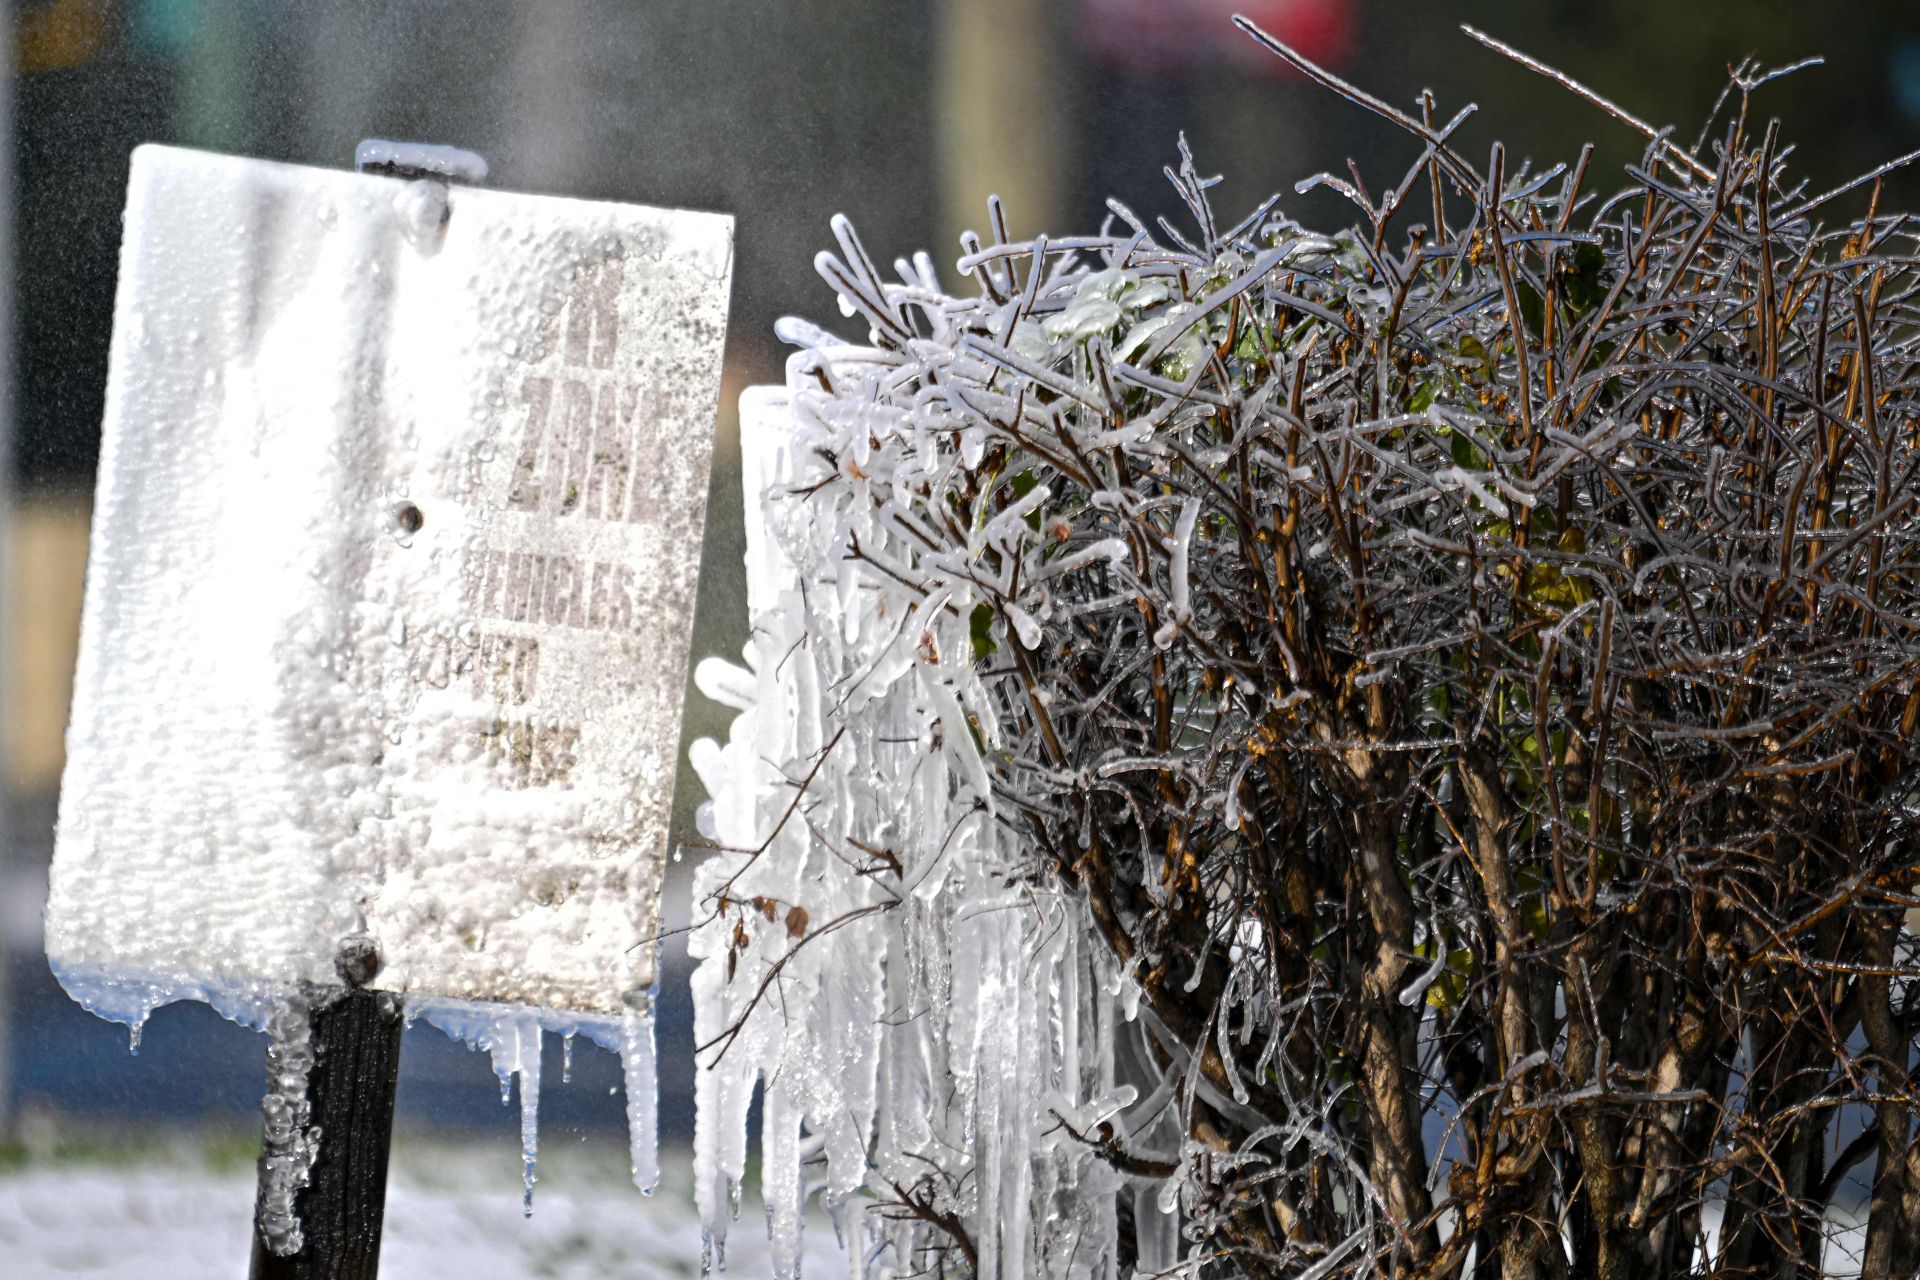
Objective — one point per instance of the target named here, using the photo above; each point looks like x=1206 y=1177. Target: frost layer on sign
x=935 y=1038
x=392 y=569
x=400 y=506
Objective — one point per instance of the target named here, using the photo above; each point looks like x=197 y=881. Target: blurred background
x=782 y=112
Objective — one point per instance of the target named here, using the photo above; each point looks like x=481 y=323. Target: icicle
x=288 y=1145
x=939 y=1037
x=1129 y=992
x=1156 y=1230
x=711 y=1115
x=780 y=1178
x=566 y=1058
x=527 y=1034
x=1024 y=626
x=1223 y=1039
x=511 y=1035
x=1182 y=552
x=637 y=1066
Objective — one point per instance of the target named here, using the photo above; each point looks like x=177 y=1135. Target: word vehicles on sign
x=394 y=555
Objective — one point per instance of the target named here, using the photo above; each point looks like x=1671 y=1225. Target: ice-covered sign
x=391 y=587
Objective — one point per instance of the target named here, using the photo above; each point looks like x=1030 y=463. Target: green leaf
x=1532 y=884
x=980 y=624
x=1465 y=455
x=1423 y=396
x=1450 y=987
x=1249 y=345
x=1024 y=483
x=1533 y=916
x=1533 y=311
x=1582 y=285
x=1472 y=348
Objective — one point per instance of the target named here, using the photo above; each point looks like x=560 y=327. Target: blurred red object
x=1166 y=37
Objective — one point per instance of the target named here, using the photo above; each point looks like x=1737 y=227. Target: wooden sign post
x=353 y=1081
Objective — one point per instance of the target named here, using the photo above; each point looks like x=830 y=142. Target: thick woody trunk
x=1891 y=1188
x=1390 y=1080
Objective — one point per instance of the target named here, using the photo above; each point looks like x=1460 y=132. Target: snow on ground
x=452 y=1210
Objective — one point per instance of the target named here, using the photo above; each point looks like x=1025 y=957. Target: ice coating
x=453 y=163
x=390 y=588
x=934 y=1035
x=290 y=1143
x=130 y=996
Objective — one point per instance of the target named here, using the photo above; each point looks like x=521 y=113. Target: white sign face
x=391 y=586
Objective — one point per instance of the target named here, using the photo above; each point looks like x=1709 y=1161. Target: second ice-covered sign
x=390 y=592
